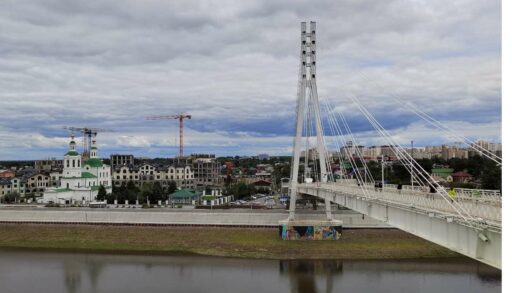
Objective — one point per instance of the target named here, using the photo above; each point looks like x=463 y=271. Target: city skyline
x=235 y=71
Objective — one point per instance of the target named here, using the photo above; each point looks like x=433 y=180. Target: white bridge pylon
x=307 y=104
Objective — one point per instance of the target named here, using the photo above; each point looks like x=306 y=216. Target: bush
x=11 y=197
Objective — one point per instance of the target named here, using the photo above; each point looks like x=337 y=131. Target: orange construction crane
x=180 y=117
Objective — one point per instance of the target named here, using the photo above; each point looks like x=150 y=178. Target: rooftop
x=94 y=162
x=184 y=193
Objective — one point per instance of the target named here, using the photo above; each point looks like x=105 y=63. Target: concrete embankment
x=257 y=218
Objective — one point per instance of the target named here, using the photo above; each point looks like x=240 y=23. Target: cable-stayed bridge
x=465 y=221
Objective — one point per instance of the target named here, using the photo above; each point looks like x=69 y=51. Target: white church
x=80 y=180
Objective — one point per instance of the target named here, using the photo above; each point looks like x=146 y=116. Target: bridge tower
x=307 y=105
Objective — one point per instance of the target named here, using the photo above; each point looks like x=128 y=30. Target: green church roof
x=72 y=153
x=84 y=175
x=88 y=175
x=94 y=162
x=442 y=172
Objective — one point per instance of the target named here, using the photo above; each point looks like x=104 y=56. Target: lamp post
x=412 y=171
x=382 y=171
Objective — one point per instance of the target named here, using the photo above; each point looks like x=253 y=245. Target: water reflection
x=87 y=266
x=96 y=273
x=303 y=274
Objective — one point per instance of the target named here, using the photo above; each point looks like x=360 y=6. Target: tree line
x=152 y=192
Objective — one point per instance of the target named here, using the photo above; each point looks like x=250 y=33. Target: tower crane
x=180 y=118
x=88 y=134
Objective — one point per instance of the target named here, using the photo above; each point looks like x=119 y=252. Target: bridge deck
x=485 y=209
x=426 y=215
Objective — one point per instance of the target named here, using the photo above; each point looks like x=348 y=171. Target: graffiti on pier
x=313 y=232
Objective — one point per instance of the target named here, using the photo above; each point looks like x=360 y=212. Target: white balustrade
x=486 y=207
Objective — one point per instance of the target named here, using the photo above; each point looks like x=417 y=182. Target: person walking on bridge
x=452 y=193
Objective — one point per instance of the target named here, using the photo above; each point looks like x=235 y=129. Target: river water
x=32 y=271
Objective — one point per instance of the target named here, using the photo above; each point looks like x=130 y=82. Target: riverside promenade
x=174 y=217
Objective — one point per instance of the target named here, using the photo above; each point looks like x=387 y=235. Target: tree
x=491 y=178
x=171 y=188
x=121 y=193
x=241 y=190
x=131 y=192
x=102 y=193
x=157 y=193
x=11 y=197
x=146 y=192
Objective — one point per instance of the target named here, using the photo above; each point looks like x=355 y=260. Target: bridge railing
x=484 y=210
x=480 y=195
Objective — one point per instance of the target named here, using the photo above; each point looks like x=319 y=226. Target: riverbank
x=217 y=241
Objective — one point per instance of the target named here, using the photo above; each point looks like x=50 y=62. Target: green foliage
x=152 y=191
x=461 y=185
x=484 y=171
x=171 y=188
x=157 y=193
x=262 y=190
x=102 y=193
x=241 y=190
x=146 y=192
x=11 y=197
x=124 y=192
x=281 y=171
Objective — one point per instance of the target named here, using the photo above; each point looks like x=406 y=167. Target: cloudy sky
x=233 y=66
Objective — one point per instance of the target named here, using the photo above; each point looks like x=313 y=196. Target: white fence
x=482 y=208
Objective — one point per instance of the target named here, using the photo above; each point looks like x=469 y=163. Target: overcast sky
x=233 y=66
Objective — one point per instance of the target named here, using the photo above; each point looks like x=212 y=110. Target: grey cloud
x=111 y=63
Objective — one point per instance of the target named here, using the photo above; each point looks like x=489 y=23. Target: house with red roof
x=462 y=177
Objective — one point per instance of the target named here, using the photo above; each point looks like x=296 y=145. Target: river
x=36 y=271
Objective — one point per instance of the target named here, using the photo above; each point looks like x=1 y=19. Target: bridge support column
x=328 y=210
